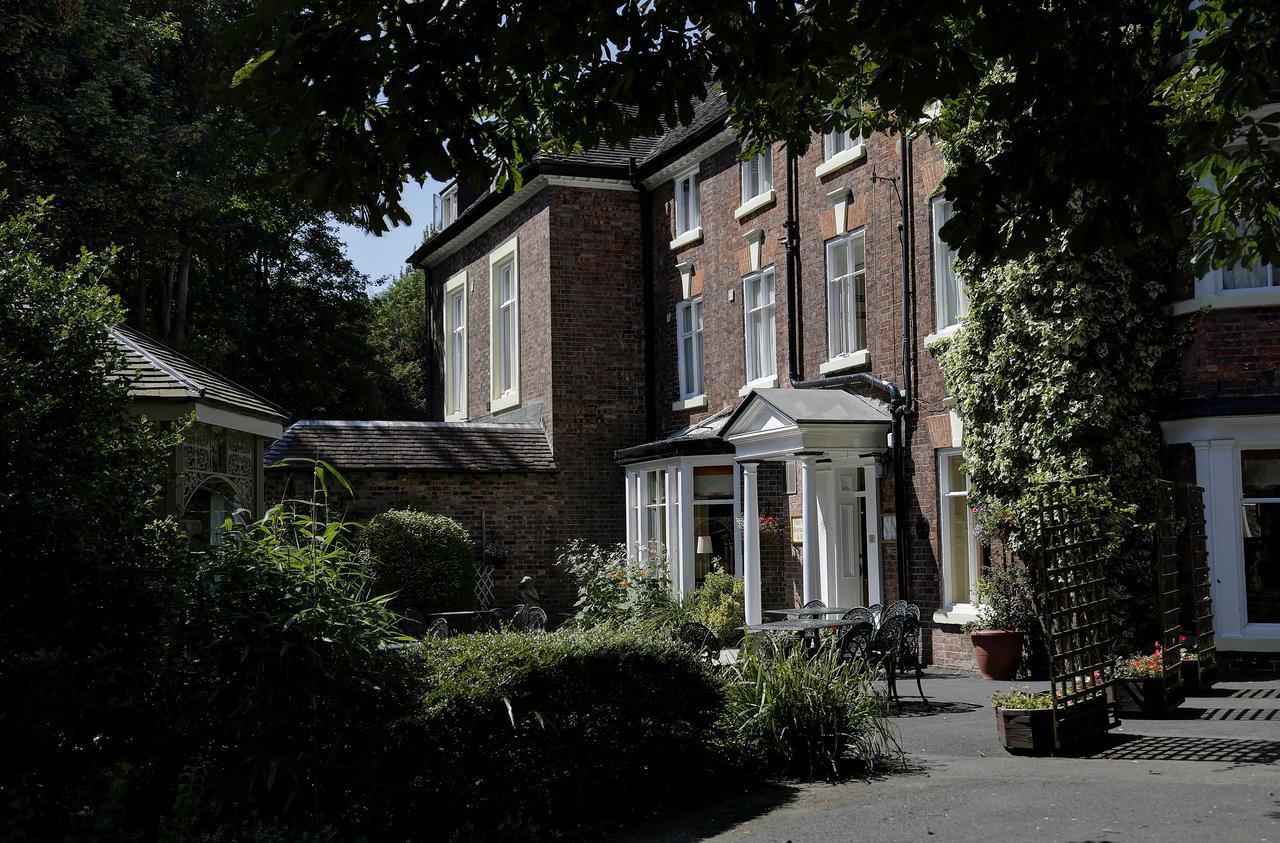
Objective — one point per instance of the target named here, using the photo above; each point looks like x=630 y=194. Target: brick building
x=708 y=339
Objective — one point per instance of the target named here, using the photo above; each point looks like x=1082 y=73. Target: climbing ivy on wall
x=1061 y=368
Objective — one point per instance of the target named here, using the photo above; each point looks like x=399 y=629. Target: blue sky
x=379 y=257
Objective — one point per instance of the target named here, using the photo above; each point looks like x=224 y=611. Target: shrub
x=720 y=604
x=534 y=735
x=91 y=579
x=617 y=591
x=289 y=671
x=1004 y=597
x=426 y=559
x=799 y=715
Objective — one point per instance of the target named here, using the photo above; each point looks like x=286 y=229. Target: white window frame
x=501 y=398
x=448 y=205
x=760 y=313
x=690 y=363
x=839 y=149
x=948 y=293
x=687 y=215
x=958 y=610
x=756 y=175
x=842 y=309
x=455 y=338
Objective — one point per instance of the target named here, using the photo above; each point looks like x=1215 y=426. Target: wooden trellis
x=1071 y=567
x=1196 y=591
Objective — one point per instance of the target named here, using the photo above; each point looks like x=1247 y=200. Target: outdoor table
x=465 y=613
x=801 y=613
x=797 y=625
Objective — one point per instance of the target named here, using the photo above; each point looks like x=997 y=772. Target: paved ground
x=1211 y=774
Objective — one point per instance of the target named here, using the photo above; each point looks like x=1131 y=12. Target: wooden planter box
x=1026 y=730
x=1154 y=697
x=1196 y=680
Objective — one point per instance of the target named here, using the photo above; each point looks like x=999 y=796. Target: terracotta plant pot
x=998 y=653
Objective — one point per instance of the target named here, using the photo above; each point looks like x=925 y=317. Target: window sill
x=755 y=203
x=949 y=331
x=759 y=383
x=841 y=160
x=959 y=614
x=693 y=235
x=506 y=402
x=845 y=362
x=1263 y=297
x=1255 y=638
x=697 y=402
x=456 y=417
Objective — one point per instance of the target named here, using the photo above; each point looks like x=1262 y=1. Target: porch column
x=809 y=549
x=751 y=543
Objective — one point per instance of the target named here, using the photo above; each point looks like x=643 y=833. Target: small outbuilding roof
x=160 y=375
x=418 y=446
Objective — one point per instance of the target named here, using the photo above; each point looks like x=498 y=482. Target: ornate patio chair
x=860 y=614
x=769 y=645
x=907 y=656
x=813 y=604
x=438 y=628
x=701 y=639
x=897 y=609
x=877 y=610
x=519 y=617
x=488 y=621
x=884 y=650
x=536 y=623
x=856 y=641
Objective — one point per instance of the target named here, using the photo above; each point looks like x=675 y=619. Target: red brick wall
x=1233 y=353
x=720 y=261
x=521 y=513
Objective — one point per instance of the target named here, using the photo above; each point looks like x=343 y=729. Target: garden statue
x=527 y=593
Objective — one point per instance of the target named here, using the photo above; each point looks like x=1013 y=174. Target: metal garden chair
x=438 y=628
x=856 y=642
x=907 y=656
x=701 y=639
x=884 y=650
x=536 y=622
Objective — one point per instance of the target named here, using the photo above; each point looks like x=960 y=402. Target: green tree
x=91 y=578
x=401 y=341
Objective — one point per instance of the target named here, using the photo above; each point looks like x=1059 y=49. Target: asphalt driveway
x=1211 y=774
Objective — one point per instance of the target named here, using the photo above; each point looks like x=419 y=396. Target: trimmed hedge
x=544 y=735
x=427 y=559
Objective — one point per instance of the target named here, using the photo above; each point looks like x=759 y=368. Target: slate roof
x=820 y=406
x=702 y=437
x=159 y=373
x=613 y=162
x=418 y=446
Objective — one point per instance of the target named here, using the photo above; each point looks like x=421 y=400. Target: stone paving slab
x=1211 y=774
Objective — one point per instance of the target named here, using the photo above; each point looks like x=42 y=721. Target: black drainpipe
x=791 y=231
x=650 y=326
x=899 y=400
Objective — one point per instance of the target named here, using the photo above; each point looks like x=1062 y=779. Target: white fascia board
x=691 y=158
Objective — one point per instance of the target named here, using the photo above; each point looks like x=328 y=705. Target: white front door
x=856 y=512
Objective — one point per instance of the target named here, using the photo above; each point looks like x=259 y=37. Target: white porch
x=840 y=440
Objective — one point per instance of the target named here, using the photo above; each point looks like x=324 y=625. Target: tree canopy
x=374 y=93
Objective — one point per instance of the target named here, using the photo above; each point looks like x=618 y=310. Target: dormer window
x=448 y=206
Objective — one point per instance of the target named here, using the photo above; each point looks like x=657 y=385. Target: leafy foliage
x=401 y=343
x=1022 y=698
x=91 y=577
x=289 y=671
x=545 y=734
x=1004 y=597
x=796 y=714
x=720 y=603
x=427 y=560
